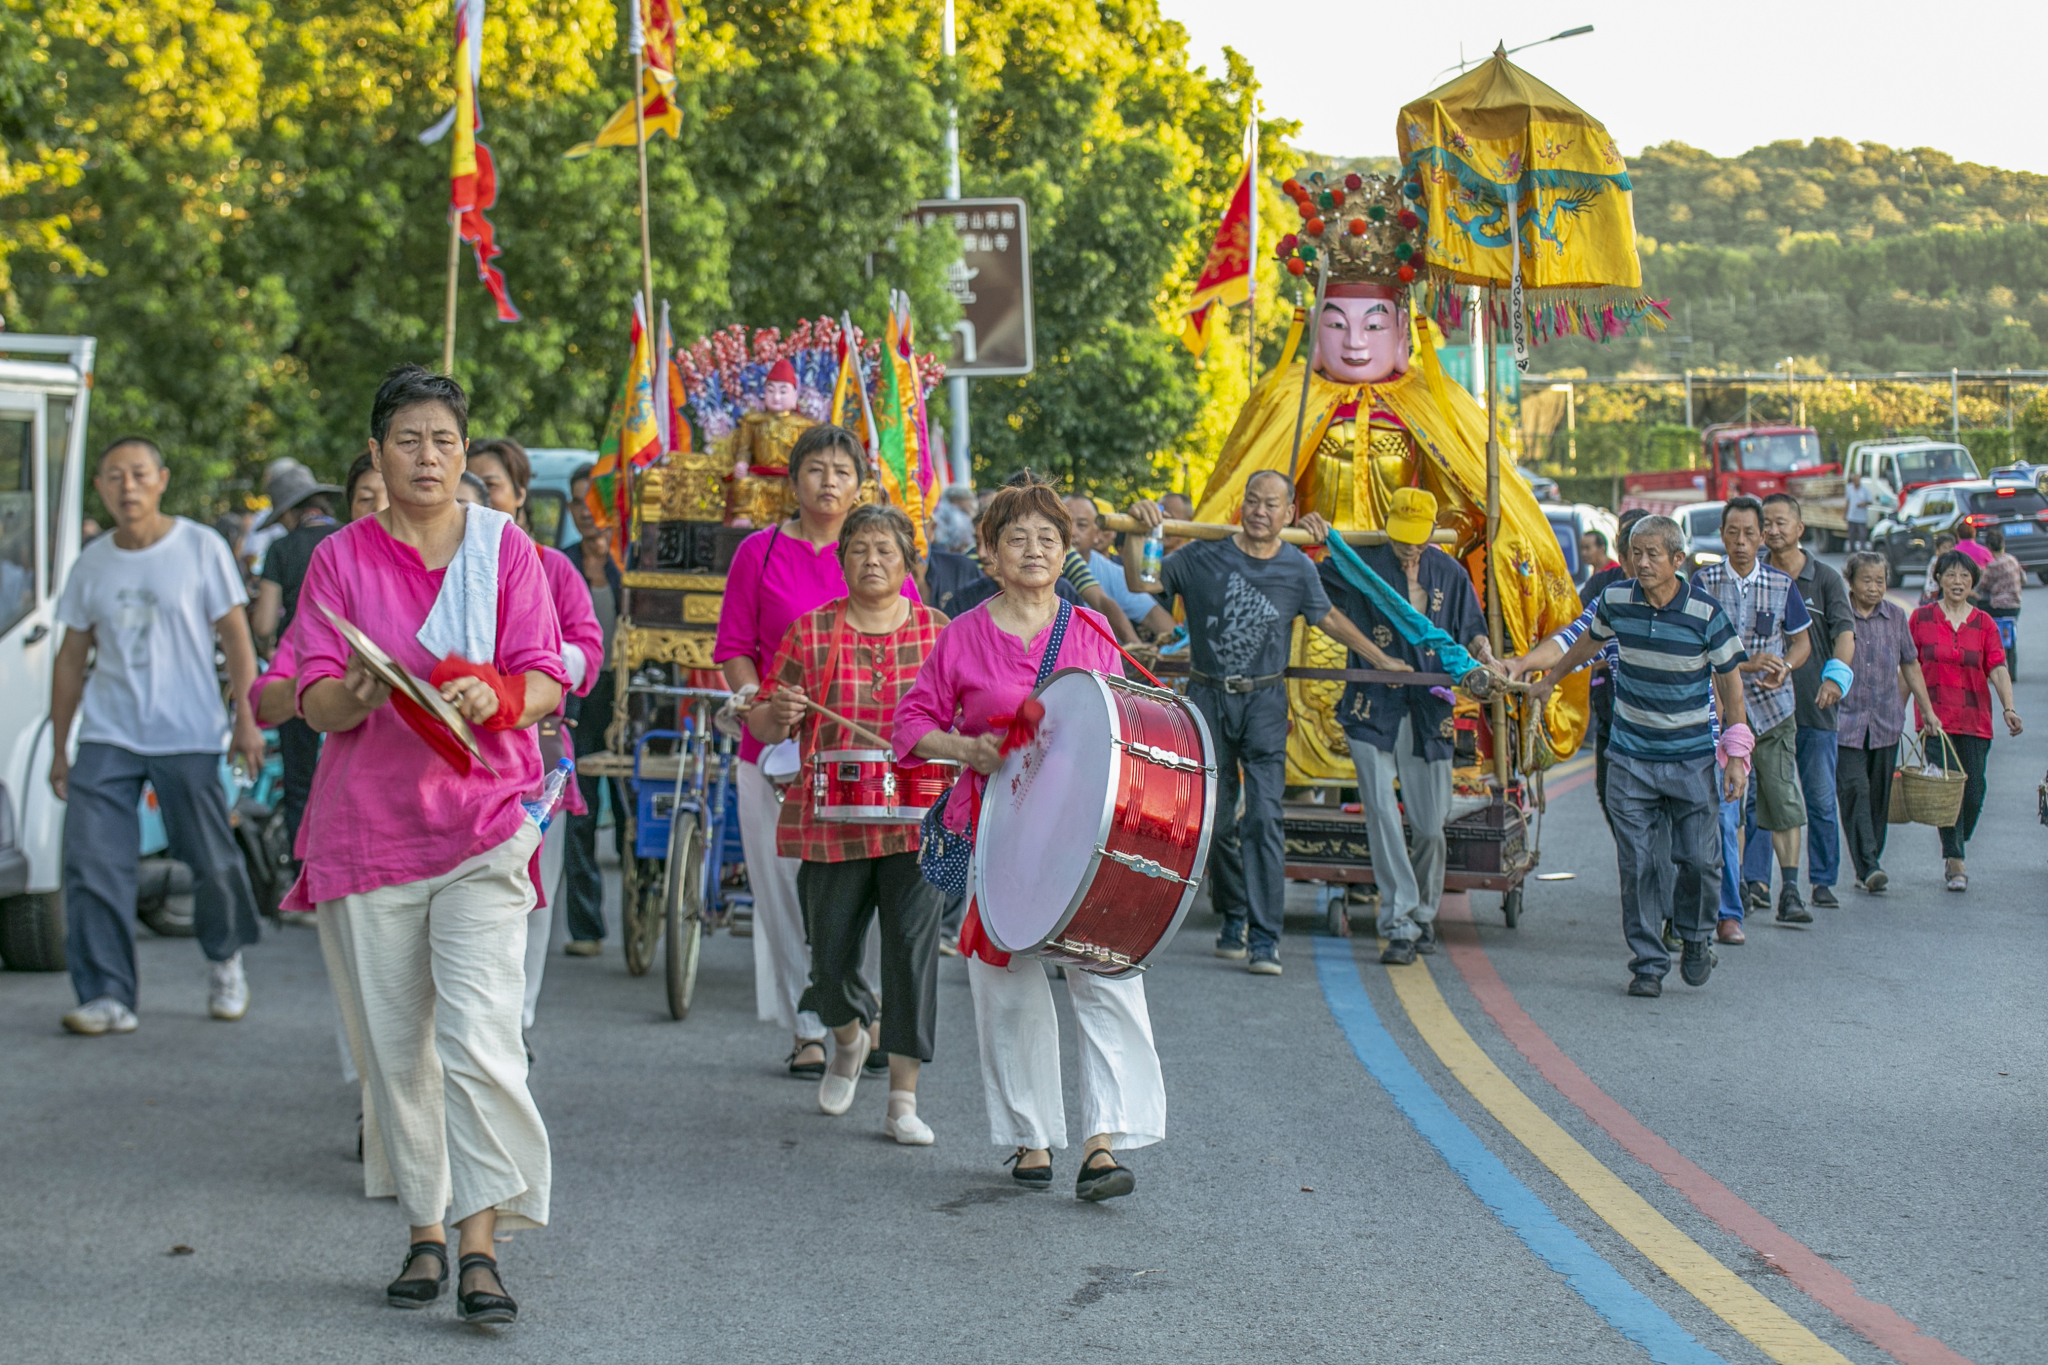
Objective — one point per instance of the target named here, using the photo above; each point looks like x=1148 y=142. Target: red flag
x=1226 y=274
x=472 y=174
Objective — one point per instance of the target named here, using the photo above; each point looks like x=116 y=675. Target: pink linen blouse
x=775 y=577
x=385 y=809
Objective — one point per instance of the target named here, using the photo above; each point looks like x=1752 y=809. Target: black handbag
x=943 y=856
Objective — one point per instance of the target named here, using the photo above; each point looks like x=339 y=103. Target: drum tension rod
x=1094 y=951
x=1167 y=758
x=1146 y=867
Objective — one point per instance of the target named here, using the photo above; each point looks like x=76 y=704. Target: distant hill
x=1845 y=255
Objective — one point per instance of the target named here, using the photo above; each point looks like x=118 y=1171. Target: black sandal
x=1096 y=1183
x=877 y=1060
x=482 y=1305
x=1038 y=1177
x=807 y=1071
x=418 y=1291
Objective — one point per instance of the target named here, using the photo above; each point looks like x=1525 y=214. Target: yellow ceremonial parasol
x=1523 y=189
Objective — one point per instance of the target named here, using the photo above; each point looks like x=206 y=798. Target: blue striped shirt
x=1664 y=691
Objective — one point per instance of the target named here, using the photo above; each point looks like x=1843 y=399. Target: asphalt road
x=1872 y=1086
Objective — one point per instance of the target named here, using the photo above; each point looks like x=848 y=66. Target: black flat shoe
x=483 y=1305
x=807 y=1071
x=1037 y=1177
x=1096 y=1183
x=418 y=1291
x=877 y=1060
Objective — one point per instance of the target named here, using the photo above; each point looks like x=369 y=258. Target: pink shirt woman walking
x=417 y=854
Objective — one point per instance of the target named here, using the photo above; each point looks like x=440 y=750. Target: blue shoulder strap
x=1052 y=646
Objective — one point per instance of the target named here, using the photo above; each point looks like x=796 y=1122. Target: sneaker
x=1229 y=947
x=1672 y=942
x=1824 y=898
x=1265 y=962
x=1876 y=881
x=1646 y=985
x=583 y=947
x=1698 y=963
x=227 y=989
x=1791 y=909
x=1399 y=952
x=1426 y=943
x=104 y=1015
x=1756 y=896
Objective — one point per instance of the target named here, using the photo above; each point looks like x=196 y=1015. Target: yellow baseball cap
x=1411 y=515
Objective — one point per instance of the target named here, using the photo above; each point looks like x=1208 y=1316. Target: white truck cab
x=45 y=386
x=1892 y=468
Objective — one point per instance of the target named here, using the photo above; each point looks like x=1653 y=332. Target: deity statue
x=1382 y=415
x=760 y=492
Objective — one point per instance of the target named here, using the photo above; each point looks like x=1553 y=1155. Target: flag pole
x=448 y=317
x=1251 y=266
x=640 y=147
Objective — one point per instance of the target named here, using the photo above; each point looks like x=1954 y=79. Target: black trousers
x=1247 y=855
x=1975 y=753
x=299 y=746
x=583 y=902
x=839 y=900
x=1603 y=722
x=1863 y=798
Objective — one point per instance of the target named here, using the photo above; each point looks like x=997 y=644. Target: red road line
x=1882 y=1325
x=1570 y=784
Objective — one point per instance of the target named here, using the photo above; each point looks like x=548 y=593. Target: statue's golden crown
x=1362 y=230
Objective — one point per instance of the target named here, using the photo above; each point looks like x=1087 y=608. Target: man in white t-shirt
x=144 y=606
x=1090 y=536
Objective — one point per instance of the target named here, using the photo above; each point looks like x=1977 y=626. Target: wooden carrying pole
x=1209 y=530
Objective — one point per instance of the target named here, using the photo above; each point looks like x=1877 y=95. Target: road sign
x=992 y=280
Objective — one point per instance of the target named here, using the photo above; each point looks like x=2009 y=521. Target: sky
x=1723 y=77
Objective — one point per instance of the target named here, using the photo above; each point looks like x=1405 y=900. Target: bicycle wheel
x=683 y=903
x=637 y=904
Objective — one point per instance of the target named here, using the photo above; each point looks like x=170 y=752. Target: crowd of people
x=1747 y=724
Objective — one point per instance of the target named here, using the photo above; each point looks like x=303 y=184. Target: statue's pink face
x=1362 y=341
x=778 y=397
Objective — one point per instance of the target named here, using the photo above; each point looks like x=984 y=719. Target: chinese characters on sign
x=992 y=281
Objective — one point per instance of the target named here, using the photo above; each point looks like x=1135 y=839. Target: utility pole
x=1955 y=416
x=956 y=384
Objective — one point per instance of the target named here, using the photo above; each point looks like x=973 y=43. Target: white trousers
x=1122 y=1091
x=430 y=978
x=540 y=921
x=1408 y=868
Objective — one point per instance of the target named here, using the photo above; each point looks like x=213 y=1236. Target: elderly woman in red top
x=1959 y=653
x=857 y=657
x=416 y=854
x=986 y=663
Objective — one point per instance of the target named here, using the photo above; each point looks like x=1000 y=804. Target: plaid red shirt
x=873 y=673
x=1957 y=663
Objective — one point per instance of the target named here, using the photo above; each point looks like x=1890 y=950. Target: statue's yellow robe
x=1449 y=433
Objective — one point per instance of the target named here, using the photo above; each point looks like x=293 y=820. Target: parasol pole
x=448 y=317
x=1483 y=340
x=1308 y=367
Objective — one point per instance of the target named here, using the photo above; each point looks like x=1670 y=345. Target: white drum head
x=1046 y=812
x=780 y=763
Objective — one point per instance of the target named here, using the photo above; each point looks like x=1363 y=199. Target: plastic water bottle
x=542 y=808
x=1153 y=555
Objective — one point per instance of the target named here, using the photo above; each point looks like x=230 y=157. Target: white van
x=45 y=385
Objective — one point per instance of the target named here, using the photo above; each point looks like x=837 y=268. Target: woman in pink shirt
x=985 y=663
x=416 y=855
x=777 y=575
x=507 y=474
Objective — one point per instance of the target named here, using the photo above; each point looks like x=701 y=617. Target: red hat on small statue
x=782 y=373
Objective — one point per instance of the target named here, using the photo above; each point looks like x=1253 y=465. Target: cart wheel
x=683 y=903
x=643 y=934
x=1336 y=909
x=1511 y=906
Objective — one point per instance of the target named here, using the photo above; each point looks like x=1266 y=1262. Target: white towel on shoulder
x=464 y=620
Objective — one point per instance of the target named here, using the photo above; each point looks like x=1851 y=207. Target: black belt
x=1237 y=683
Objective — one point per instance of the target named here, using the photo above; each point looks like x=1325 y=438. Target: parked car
x=2014 y=504
x=547 y=497
x=1545 y=488
x=1701 y=525
x=1569 y=521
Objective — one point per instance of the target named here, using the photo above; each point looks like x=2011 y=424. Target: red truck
x=1735 y=459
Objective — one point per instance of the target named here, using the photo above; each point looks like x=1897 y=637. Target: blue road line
x=1625 y=1307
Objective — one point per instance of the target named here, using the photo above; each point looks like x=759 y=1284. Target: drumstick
x=861 y=730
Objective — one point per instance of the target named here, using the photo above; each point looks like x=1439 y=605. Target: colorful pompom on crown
x=1362 y=231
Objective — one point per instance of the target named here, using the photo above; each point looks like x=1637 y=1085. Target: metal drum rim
x=1200 y=867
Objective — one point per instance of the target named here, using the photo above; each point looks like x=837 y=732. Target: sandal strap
x=477 y=1258
x=438 y=1250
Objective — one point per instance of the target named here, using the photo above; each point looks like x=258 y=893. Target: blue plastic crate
x=654 y=802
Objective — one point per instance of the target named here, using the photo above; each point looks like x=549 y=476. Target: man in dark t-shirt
x=1242 y=595
x=302 y=505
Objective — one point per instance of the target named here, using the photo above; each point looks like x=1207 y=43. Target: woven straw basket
x=1922 y=799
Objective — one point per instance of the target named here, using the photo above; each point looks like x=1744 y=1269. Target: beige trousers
x=430 y=977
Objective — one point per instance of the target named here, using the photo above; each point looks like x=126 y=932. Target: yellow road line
x=1726 y=1294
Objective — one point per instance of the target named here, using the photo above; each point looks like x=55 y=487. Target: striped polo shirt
x=1663 y=692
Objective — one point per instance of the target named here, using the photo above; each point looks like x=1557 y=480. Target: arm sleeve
x=1463 y=618
x=529 y=636
x=72 y=613
x=1909 y=653
x=578 y=619
x=321 y=651
x=1075 y=570
x=1596 y=620
x=1994 y=644
x=1835 y=610
x=933 y=699
x=1724 y=646
x=1171 y=571
x=222 y=578
x=786 y=669
x=1571 y=634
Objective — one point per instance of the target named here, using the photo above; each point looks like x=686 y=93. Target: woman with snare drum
x=777 y=575
x=985 y=664
x=857 y=657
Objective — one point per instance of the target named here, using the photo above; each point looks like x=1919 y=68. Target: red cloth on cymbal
x=439 y=737
x=509 y=687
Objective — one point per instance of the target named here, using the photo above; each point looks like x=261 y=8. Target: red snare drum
x=1093 y=836
x=869 y=787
